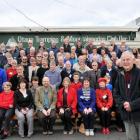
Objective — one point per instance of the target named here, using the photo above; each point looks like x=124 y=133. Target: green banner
x=59 y=37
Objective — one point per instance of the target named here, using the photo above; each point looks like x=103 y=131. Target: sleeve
x=4 y=76
x=54 y=99
x=38 y=104
x=110 y=99
x=31 y=105
x=80 y=102
x=74 y=103
x=59 y=101
x=116 y=94
x=16 y=101
x=98 y=100
x=93 y=100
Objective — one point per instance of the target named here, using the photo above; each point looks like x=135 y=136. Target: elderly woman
x=67 y=104
x=24 y=108
x=6 y=108
x=86 y=106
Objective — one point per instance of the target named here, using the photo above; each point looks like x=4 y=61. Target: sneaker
x=91 y=133
x=71 y=132
x=107 y=131
x=44 y=132
x=29 y=135
x=104 y=131
x=50 y=132
x=22 y=136
x=65 y=132
x=87 y=132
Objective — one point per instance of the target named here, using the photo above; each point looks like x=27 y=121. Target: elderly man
x=45 y=101
x=127 y=95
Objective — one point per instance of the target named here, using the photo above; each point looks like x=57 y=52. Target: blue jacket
x=3 y=78
x=84 y=102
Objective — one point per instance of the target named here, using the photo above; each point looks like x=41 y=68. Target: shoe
x=107 y=131
x=65 y=132
x=87 y=132
x=22 y=136
x=104 y=131
x=29 y=135
x=50 y=132
x=44 y=132
x=3 y=136
x=91 y=133
x=71 y=132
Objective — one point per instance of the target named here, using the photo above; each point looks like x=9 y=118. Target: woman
x=67 y=105
x=86 y=106
x=24 y=108
x=6 y=109
x=104 y=103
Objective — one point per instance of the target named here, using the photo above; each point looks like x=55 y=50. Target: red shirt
x=104 y=98
x=76 y=85
x=6 y=99
x=11 y=72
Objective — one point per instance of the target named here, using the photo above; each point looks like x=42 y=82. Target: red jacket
x=71 y=99
x=104 y=98
x=76 y=86
x=11 y=72
x=6 y=99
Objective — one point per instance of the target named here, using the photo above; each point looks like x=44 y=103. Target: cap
x=102 y=80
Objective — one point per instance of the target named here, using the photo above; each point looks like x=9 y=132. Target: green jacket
x=39 y=98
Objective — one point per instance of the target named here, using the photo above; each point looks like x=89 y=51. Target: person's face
x=68 y=66
x=19 y=70
x=127 y=62
x=30 y=44
x=102 y=84
x=66 y=83
x=6 y=88
x=33 y=63
x=35 y=83
x=22 y=85
x=14 y=64
x=24 y=59
x=46 y=82
x=39 y=57
x=76 y=78
x=52 y=67
x=44 y=63
x=86 y=84
x=42 y=44
x=45 y=55
x=94 y=66
x=94 y=51
x=22 y=53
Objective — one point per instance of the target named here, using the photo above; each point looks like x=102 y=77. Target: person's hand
x=89 y=110
x=127 y=106
x=85 y=111
x=23 y=111
x=11 y=106
x=61 y=111
x=44 y=112
x=48 y=112
x=103 y=109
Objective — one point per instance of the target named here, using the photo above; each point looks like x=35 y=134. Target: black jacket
x=133 y=97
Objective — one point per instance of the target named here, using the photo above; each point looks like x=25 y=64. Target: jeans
x=132 y=130
x=88 y=120
x=5 y=116
x=21 y=120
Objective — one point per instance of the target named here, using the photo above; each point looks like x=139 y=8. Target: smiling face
x=127 y=60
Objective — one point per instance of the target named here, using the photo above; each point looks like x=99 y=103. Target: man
x=45 y=101
x=53 y=75
x=127 y=95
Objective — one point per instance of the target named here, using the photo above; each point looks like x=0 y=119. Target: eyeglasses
x=94 y=65
x=39 y=56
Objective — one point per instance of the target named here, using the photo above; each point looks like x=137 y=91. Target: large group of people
x=68 y=80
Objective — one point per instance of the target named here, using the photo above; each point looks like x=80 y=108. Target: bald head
x=46 y=81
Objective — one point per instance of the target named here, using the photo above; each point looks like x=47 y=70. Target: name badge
x=128 y=86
